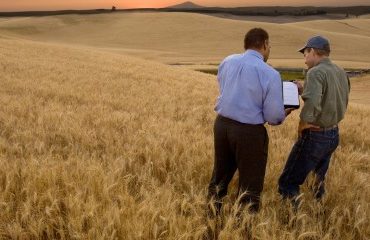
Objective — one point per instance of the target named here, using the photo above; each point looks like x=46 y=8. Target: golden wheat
x=96 y=145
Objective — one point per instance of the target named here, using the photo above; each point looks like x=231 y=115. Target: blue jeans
x=311 y=152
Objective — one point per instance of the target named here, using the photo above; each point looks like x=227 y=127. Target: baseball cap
x=318 y=42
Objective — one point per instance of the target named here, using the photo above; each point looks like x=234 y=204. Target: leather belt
x=322 y=129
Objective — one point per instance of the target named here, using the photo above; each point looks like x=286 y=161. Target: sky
x=31 y=5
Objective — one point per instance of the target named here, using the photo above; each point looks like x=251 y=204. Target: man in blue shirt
x=250 y=96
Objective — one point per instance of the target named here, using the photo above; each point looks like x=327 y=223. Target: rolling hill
x=191 y=38
x=186 y=5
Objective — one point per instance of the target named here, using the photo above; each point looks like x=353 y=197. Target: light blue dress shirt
x=250 y=90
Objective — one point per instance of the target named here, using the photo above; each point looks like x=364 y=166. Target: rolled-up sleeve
x=273 y=105
x=312 y=96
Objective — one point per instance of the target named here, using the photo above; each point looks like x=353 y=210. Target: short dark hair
x=255 y=38
x=323 y=52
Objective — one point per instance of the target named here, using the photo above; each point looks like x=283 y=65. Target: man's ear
x=264 y=45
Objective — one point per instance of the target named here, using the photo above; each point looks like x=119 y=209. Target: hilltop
x=186 y=5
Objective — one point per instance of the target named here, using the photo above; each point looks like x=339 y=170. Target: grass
x=291 y=75
x=286 y=75
x=96 y=145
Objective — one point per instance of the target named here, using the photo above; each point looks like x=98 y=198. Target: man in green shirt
x=325 y=97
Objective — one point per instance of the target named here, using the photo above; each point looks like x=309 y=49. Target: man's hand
x=304 y=125
x=287 y=112
x=300 y=86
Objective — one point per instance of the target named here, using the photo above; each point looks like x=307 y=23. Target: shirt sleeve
x=273 y=105
x=349 y=88
x=221 y=76
x=312 y=96
x=349 y=84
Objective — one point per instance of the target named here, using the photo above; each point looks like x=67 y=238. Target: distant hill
x=276 y=11
x=195 y=8
x=53 y=13
x=186 y=5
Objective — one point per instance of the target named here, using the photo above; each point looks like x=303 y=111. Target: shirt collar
x=325 y=60
x=254 y=53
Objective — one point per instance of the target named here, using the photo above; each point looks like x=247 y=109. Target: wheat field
x=193 y=38
x=97 y=144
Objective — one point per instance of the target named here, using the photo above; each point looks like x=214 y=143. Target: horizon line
x=145 y=8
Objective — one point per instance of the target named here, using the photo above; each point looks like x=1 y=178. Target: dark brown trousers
x=241 y=147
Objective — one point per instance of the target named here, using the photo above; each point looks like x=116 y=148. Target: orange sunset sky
x=28 y=5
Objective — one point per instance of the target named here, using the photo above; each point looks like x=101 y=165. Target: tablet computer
x=290 y=95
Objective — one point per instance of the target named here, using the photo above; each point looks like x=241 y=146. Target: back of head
x=255 y=38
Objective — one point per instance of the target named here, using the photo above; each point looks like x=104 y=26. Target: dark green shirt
x=325 y=94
